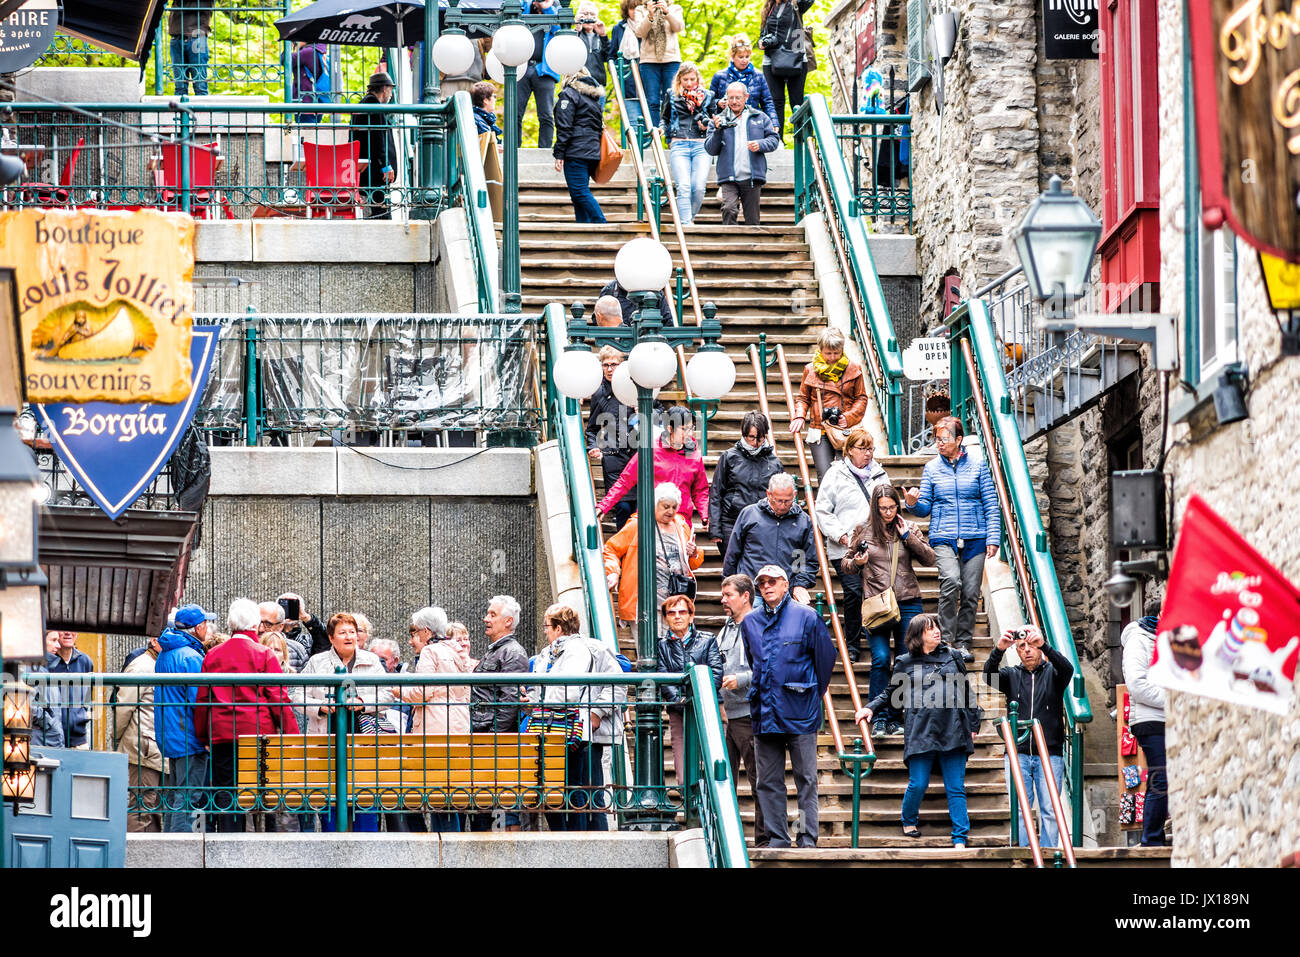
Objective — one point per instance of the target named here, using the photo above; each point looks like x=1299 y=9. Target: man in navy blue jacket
x=791 y=657
x=965 y=528
x=740 y=138
x=68 y=659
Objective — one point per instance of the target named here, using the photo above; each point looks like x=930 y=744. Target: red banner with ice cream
x=1230 y=626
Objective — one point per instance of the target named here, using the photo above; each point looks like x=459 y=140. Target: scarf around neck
x=831 y=373
x=860 y=473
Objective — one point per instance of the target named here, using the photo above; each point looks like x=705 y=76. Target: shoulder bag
x=786 y=56
x=611 y=156
x=678 y=584
x=881 y=610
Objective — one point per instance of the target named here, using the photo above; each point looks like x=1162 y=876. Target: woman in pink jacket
x=677 y=460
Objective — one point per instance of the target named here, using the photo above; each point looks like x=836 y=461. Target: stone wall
x=1234 y=772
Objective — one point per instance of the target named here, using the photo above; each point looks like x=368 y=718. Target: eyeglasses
x=678 y=611
x=751 y=436
x=269 y=624
x=610 y=365
x=414 y=631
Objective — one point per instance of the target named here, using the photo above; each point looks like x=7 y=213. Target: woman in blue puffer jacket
x=965 y=528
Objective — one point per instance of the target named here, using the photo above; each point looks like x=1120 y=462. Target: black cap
x=379 y=80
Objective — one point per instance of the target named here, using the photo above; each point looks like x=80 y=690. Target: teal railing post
x=286 y=61
x=433 y=136
x=717 y=783
x=252 y=408
x=339 y=726
x=656 y=200
x=1076 y=784
x=159 y=37
x=681 y=298
x=186 y=122
x=1013 y=718
x=687 y=778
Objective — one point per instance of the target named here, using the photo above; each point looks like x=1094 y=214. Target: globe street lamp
x=643 y=267
x=512 y=48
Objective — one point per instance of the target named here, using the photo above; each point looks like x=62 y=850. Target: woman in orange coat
x=831 y=383
x=675 y=553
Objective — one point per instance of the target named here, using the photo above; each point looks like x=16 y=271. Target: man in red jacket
x=223 y=713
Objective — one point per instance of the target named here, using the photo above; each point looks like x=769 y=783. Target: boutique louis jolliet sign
x=1246 y=69
x=104 y=301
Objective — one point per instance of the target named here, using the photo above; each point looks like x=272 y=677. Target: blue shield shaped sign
x=115 y=450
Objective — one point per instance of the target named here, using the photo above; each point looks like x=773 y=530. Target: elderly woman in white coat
x=569 y=653
x=844 y=503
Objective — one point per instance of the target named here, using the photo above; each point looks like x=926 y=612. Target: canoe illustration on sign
x=81 y=332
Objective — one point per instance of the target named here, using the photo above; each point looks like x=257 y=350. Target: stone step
x=918 y=854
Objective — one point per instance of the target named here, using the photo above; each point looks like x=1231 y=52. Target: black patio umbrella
x=363 y=23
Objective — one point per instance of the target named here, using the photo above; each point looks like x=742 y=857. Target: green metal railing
x=244 y=54
x=873 y=145
x=352 y=721
x=822 y=181
x=982 y=399
x=245 y=160
x=388 y=374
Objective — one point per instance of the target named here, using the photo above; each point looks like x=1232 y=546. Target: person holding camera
x=660 y=53
x=686 y=119
x=940 y=720
x=964 y=530
x=740 y=138
x=741 y=70
x=1037 y=685
x=843 y=506
x=786 y=53
x=595 y=38
x=775 y=531
x=880 y=554
x=832 y=399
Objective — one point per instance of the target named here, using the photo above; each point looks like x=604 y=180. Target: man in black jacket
x=775 y=531
x=495 y=708
x=740 y=477
x=374 y=132
x=1037 y=685
x=612 y=288
x=610 y=440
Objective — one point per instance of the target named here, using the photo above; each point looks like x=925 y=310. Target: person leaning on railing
x=223 y=713
x=577 y=709
x=832 y=399
x=965 y=529
x=189 y=24
x=885 y=541
x=844 y=503
x=1038 y=686
x=182 y=652
x=940 y=721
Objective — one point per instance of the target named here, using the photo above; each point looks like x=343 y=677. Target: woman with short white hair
x=676 y=554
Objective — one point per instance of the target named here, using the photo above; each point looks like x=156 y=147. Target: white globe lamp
x=710 y=374
x=453 y=53
x=643 y=265
x=577 y=373
x=513 y=44
x=566 y=54
x=497 y=72
x=652 y=364
x=624 y=388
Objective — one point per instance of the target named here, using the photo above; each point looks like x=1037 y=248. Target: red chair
x=49 y=195
x=332 y=178
x=206 y=202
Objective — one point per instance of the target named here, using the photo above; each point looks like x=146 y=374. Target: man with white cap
x=791 y=657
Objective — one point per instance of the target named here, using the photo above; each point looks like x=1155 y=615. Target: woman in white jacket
x=844 y=503
x=1147 y=720
x=569 y=653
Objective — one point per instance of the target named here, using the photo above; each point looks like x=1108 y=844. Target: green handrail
x=566 y=429
x=815 y=129
x=478 y=211
x=1005 y=452
x=721 y=817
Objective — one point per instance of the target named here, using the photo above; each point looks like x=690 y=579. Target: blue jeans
x=881 y=661
x=190 y=771
x=953 y=766
x=190 y=64
x=1031 y=769
x=1151 y=739
x=361 y=823
x=577 y=176
x=581 y=771
x=690 y=167
x=657 y=78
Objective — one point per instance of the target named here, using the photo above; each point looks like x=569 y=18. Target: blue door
x=79 y=817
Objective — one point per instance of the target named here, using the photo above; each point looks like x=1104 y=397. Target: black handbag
x=787 y=62
x=678 y=584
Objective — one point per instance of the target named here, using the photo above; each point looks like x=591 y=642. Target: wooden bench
x=461 y=772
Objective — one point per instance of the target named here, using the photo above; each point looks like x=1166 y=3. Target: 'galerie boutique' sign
x=1246 y=68
x=105 y=303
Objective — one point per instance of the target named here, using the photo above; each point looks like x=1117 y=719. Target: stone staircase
x=762 y=281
